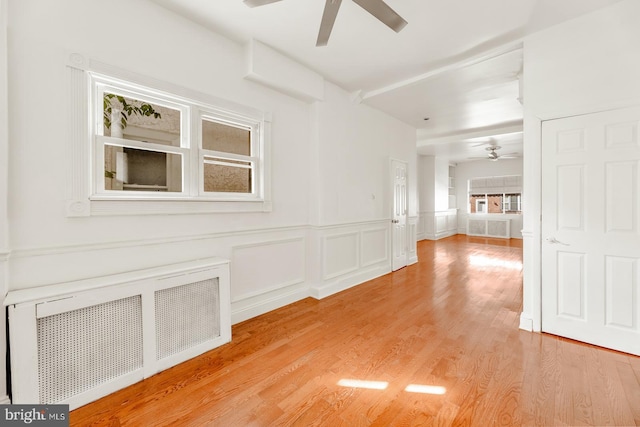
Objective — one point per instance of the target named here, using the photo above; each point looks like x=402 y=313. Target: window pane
x=477 y=204
x=139 y=120
x=494 y=203
x=226 y=178
x=131 y=169
x=222 y=137
x=512 y=203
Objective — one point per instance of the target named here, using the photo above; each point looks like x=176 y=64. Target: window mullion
x=196 y=172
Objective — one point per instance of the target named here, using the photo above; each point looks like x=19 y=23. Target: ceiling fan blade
x=331 y=8
x=255 y=3
x=384 y=13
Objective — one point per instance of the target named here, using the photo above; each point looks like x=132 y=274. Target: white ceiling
x=457 y=62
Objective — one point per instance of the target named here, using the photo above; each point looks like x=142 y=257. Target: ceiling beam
x=472 y=60
x=424 y=140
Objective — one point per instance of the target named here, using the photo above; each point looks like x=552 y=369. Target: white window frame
x=256 y=157
x=100 y=85
x=481 y=203
x=87 y=195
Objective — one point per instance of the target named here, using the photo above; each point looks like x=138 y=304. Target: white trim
x=268 y=242
x=25 y=365
x=320 y=291
x=60 y=290
x=384 y=221
x=61 y=250
x=83 y=200
x=78 y=146
x=175 y=207
x=269 y=290
x=526 y=322
x=250 y=307
x=555 y=114
x=4 y=400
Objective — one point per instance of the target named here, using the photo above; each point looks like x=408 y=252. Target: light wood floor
x=450 y=321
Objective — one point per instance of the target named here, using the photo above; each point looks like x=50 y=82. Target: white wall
x=426 y=184
x=353 y=147
x=480 y=169
x=435 y=220
x=585 y=65
x=355 y=143
x=4 y=175
x=329 y=227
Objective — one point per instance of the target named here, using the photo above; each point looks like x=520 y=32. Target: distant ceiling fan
x=377 y=8
x=494 y=156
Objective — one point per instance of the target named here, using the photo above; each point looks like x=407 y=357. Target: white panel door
x=591 y=228
x=399 y=215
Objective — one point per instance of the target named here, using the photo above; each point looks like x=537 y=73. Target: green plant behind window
x=126 y=109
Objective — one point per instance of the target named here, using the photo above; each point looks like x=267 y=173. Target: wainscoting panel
x=267 y=275
x=412 y=251
x=438 y=225
x=271 y=264
x=341 y=254
x=421 y=227
x=374 y=246
x=351 y=254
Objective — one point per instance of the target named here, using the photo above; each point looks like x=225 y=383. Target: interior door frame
x=531 y=316
x=391 y=208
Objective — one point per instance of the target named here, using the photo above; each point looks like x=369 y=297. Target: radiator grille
x=477 y=227
x=497 y=228
x=81 y=349
x=186 y=316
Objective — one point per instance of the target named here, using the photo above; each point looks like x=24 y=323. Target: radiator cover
x=489 y=227
x=75 y=347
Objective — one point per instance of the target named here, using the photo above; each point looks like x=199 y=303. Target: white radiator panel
x=75 y=347
x=489 y=227
x=477 y=227
x=82 y=349
x=186 y=316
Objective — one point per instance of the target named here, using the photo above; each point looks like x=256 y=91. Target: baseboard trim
x=248 y=308
x=441 y=235
x=4 y=400
x=343 y=283
x=526 y=322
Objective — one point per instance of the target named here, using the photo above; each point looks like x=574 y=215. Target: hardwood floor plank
x=631 y=385
x=449 y=321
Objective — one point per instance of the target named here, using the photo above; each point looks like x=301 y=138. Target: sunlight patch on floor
x=483 y=261
x=373 y=385
x=425 y=389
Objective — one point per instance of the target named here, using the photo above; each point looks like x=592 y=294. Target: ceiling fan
x=377 y=8
x=494 y=156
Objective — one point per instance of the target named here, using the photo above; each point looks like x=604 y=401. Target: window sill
x=106 y=207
